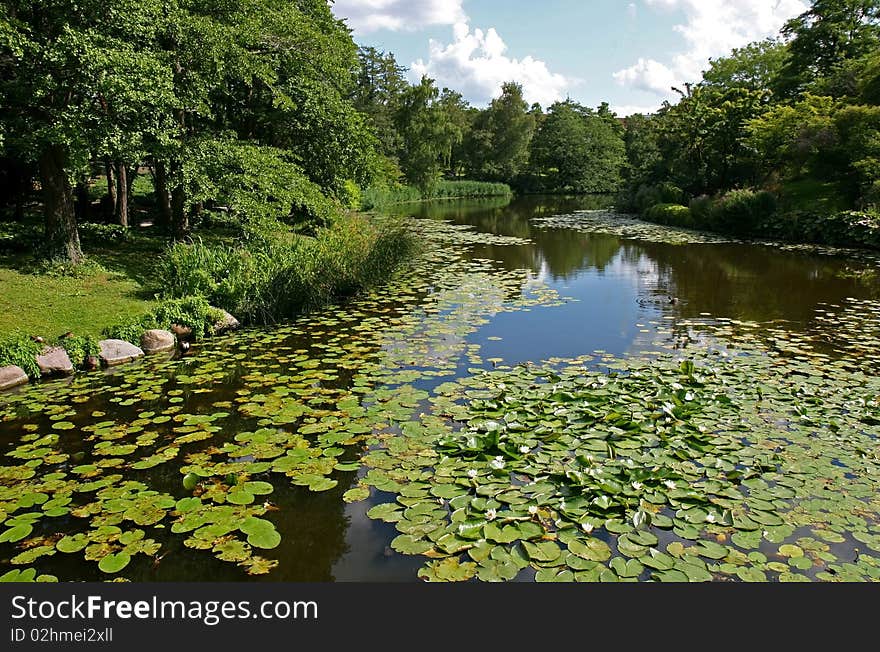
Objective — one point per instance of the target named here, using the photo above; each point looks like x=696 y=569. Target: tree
x=578 y=150
x=428 y=135
x=830 y=33
x=756 y=66
x=501 y=136
x=379 y=87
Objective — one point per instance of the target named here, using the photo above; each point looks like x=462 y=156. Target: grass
x=45 y=305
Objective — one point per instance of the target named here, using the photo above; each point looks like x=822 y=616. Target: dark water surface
x=618 y=293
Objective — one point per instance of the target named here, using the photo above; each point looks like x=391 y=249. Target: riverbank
x=379 y=198
x=135 y=282
x=808 y=213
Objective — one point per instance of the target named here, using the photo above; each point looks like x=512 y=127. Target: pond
x=550 y=392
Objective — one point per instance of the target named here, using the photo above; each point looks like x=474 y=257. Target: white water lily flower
x=587 y=527
x=497 y=463
x=491 y=514
x=710 y=518
x=669 y=484
x=472 y=473
x=524 y=449
x=689 y=396
x=637 y=485
x=533 y=509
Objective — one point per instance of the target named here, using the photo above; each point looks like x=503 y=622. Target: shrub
x=194 y=312
x=20 y=350
x=742 y=212
x=280 y=274
x=670 y=214
x=843 y=229
x=701 y=208
x=103 y=234
x=662 y=193
x=79 y=347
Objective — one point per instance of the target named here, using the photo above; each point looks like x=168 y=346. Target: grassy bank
x=377 y=198
x=136 y=281
x=807 y=212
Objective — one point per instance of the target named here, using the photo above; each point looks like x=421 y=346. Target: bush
x=742 y=212
x=843 y=229
x=103 y=234
x=670 y=214
x=701 y=209
x=20 y=350
x=194 y=312
x=79 y=348
x=662 y=193
x=281 y=274
x=16 y=237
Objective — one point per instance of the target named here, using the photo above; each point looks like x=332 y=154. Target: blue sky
x=627 y=53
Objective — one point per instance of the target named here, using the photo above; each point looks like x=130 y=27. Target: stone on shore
x=182 y=332
x=53 y=361
x=12 y=376
x=116 y=352
x=157 y=340
x=226 y=323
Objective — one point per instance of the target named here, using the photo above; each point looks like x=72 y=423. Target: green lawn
x=50 y=306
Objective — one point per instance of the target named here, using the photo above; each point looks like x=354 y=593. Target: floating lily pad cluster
x=707 y=464
x=109 y=467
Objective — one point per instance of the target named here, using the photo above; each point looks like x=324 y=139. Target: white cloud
x=647 y=75
x=475 y=64
x=366 y=16
x=712 y=28
x=626 y=110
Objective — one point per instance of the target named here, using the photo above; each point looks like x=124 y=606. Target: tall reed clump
x=377 y=198
x=281 y=274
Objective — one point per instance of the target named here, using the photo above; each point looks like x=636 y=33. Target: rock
x=226 y=323
x=12 y=376
x=116 y=352
x=157 y=341
x=54 y=360
x=182 y=332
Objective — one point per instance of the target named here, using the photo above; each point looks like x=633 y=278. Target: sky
x=629 y=54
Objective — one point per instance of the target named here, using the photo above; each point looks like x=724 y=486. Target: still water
x=615 y=292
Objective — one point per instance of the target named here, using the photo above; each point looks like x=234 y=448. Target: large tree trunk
x=121 y=214
x=111 y=188
x=163 y=197
x=62 y=235
x=179 y=216
x=83 y=202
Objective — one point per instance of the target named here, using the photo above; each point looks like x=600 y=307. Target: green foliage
x=579 y=150
x=669 y=214
x=192 y=311
x=79 y=348
x=497 y=146
x=828 y=34
x=844 y=228
x=94 y=233
x=756 y=66
x=282 y=275
x=741 y=212
x=428 y=133
x=661 y=193
x=19 y=349
x=377 y=198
